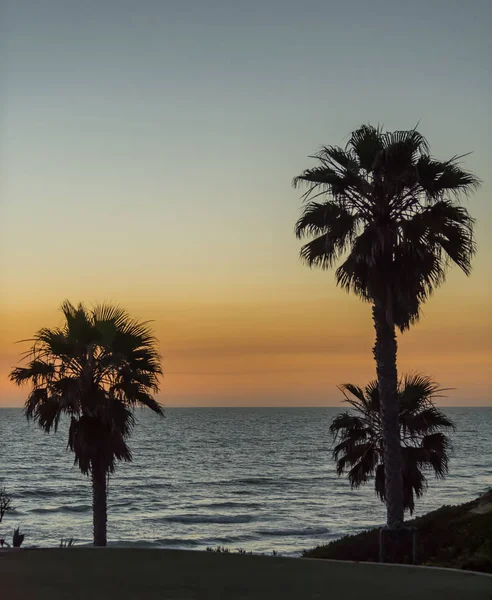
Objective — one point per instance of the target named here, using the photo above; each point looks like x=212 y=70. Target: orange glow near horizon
x=286 y=350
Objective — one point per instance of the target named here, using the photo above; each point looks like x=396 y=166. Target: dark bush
x=458 y=537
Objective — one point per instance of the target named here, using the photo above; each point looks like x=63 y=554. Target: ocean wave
x=302 y=480
x=79 y=508
x=213 y=505
x=197 y=519
x=38 y=493
x=175 y=542
x=252 y=481
x=306 y=531
x=261 y=481
x=228 y=540
x=50 y=492
x=160 y=543
x=149 y=485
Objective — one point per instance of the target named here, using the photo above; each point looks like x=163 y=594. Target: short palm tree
x=358 y=449
x=95 y=369
x=389 y=213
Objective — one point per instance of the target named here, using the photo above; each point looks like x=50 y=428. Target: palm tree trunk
x=99 y=504
x=385 y=354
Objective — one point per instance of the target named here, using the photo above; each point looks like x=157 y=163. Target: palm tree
x=390 y=213
x=424 y=447
x=95 y=369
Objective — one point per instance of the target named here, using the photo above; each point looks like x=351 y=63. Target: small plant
x=68 y=543
x=17 y=538
x=225 y=550
x=5 y=503
x=6 y=507
x=219 y=549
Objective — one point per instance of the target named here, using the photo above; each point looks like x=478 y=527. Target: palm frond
x=395 y=163
x=407 y=135
x=351 y=276
x=428 y=421
x=110 y=313
x=437 y=177
x=358 y=449
x=324 y=176
x=37 y=396
x=78 y=323
x=320 y=252
x=411 y=137
x=404 y=231
x=328 y=217
x=416 y=389
x=44 y=409
x=347 y=425
x=444 y=226
x=54 y=343
x=414 y=480
x=379 y=482
x=372 y=396
x=95 y=369
x=343 y=160
x=438 y=446
x=366 y=143
x=365 y=465
x=354 y=390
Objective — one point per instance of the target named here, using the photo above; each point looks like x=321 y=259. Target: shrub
x=458 y=537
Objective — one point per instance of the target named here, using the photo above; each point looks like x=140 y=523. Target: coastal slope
x=458 y=537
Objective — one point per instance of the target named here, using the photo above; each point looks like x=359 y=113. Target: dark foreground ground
x=120 y=574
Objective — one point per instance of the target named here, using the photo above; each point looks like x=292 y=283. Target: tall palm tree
x=390 y=214
x=424 y=447
x=95 y=369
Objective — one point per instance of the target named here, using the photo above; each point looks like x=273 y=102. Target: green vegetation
x=95 y=369
x=424 y=448
x=122 y=573
x=389 y=212
x=458 y=537
x=17 y=539
x=5 y=508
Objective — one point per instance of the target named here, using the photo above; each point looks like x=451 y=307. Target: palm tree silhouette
x=358 y=451
x=390 y=213
x=95 y=369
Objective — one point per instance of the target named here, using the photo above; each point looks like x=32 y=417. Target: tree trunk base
x=398 y=545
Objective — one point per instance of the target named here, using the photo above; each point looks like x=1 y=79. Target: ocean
x=261 y=479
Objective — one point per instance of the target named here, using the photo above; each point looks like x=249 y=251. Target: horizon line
x=273 y=406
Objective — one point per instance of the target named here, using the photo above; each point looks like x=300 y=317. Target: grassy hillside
x=458 y=537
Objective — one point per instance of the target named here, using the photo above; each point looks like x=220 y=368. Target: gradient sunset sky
x=146 y=156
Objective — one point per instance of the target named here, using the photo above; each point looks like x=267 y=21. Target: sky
x=147 y=151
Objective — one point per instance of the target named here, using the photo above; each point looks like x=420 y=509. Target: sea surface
x=261 y=479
